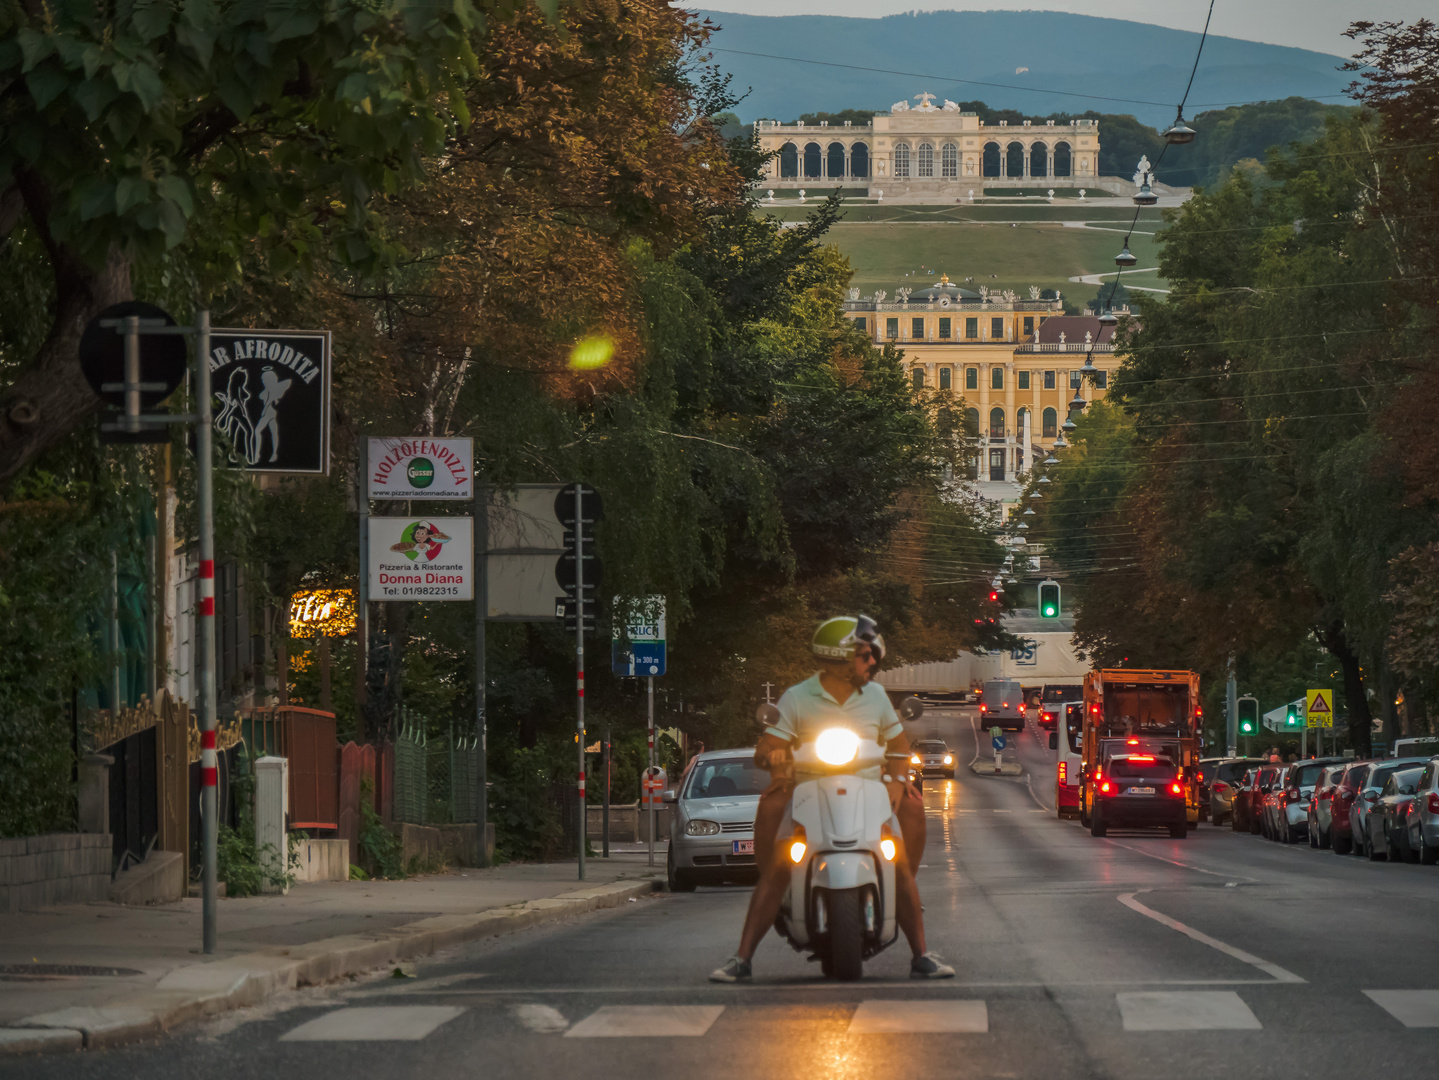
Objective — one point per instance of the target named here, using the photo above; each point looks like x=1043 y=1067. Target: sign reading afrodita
x=422 y=558
x=422 y=468
x=272 y=391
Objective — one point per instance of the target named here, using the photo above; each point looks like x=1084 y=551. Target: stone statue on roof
x=899 y=106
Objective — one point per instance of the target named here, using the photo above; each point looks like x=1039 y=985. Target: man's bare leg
x=764 y=905
x=915 y=831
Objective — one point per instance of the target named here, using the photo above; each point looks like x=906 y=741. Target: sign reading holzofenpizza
x=421 y=468
x=272 y=398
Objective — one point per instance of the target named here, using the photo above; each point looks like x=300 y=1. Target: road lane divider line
x=1276 y=972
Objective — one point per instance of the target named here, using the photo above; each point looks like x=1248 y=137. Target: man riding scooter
x=849 y=650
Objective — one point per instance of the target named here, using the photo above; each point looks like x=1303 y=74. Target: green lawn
x=1007 y=245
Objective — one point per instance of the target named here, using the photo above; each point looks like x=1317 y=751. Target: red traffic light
x=993 y=597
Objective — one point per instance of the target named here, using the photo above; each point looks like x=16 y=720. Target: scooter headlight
x=836 y=746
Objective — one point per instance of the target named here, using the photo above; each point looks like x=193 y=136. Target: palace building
x=1016 y=363
x=928 y=150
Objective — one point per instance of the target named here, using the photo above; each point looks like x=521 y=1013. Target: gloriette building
x=930 y=150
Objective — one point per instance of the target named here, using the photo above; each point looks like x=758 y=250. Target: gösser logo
x=421 y=472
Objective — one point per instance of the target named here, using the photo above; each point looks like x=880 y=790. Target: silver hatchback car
x=712 y=828
x=1424 y=816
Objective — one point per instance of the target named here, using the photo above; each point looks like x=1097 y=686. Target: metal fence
x=436 y=779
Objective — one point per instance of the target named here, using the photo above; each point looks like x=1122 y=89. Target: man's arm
x=771 y=750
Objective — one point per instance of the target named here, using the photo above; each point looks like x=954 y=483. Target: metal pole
x=580 y=666
x=1231 y=713
x=131 y=421
x=605 y=811
x=482 y=605
x=362 y=584
x=653 y=816
x=205 y=661
x=114 y=635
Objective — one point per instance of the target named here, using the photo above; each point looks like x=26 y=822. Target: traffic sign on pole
x=641 y=652
x=1319 y=708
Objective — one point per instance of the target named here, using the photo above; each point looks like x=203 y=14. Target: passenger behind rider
x=849 y=650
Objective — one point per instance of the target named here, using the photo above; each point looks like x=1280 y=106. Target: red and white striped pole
x=580 y=667
x=205 y=628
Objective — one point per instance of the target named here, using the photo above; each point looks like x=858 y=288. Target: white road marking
x=542 y=1018
x=992 y=811
x=1278 y=973
x=1412 y=1008
x=919 y=1018
x=374 y=1023
x=630 y=1021
x=1186 y=1010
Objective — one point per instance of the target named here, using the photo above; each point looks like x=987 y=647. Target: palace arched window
x=901 y=160
x=971 y=422
x=788 y=161
x=993 y=159
x=834 y=160
x=949 y=160
x=1019 y=422
x=1038 y=159
x=859 y=161
x=996 y=423
x=813 y=160
x=1051 y=424
x=916 y=374
x=1063 y=160
x=926 y=160
x=1014 y=160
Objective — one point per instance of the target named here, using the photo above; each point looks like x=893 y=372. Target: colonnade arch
x=788 y=161
x=993 y=160
x=834 y=160
x=813 y=161
x=1014 y=160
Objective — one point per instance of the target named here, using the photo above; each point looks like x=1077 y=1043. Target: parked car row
x=1385 y=808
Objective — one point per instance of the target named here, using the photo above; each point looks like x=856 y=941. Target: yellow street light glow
x=594 y=351
x=836 y=746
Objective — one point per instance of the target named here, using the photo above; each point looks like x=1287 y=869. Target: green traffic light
x=1049 y=612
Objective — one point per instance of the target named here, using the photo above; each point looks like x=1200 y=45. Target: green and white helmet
x=836 y=638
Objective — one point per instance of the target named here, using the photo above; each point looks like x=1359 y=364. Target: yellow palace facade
x=1015 y=362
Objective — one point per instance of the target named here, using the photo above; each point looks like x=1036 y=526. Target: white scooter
x=841 y=839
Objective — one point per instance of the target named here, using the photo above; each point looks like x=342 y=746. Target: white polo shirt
x=807 y=708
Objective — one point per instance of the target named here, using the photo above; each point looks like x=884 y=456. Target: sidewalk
x=100 y=974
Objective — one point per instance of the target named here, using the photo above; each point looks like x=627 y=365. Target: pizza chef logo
x=420 y=538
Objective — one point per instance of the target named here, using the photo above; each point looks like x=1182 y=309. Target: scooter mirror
x=767 y=715
x=911 y=708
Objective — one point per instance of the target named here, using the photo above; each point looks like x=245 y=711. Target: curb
x=201 y=990
x=1009 y=768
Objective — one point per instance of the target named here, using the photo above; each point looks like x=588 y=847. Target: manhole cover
x=51 y=971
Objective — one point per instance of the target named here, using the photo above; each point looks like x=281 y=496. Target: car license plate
x=742 y=847
x=1140 y=791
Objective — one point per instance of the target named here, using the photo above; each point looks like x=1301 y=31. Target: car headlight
x=836 y=746
x=701 y=827
x=949 y=759
x=915 y=759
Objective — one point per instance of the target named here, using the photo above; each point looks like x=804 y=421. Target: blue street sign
x=997 y=742
x=640 y=659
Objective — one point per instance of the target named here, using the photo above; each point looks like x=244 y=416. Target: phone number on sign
x=424 y=590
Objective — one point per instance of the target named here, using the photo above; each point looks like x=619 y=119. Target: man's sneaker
x=734 y=969
x=928 y=966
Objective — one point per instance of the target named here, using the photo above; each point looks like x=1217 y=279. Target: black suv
x=1138 y=790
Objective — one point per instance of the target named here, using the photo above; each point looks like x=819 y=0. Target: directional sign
x=997 y=742
x=644 y=652
x=1319 y=708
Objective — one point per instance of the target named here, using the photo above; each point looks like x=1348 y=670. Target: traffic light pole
x=1231 y=714
x=579 y=532
x=205 y=661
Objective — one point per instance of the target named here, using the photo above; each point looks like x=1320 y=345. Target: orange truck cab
x=1140 y=711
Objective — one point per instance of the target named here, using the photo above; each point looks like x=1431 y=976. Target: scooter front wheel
x=846 y=934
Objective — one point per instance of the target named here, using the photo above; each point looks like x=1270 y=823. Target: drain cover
x=87 y=971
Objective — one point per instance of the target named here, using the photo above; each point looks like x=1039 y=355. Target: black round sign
x=102 y=355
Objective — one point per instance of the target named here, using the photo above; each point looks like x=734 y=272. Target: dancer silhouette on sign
x=234 y=419
x=270 y=396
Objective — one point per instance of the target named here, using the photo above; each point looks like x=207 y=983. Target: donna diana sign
x=422 y=558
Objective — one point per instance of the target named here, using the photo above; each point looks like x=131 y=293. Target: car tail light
x=1219 y=785
x=1176 y=789
x=1021 y=706
x=1131 y=742
x=1141 y=757
x=1326 y=795
x=1433 y=802
x=1064 y=772
x=983 y=707
x=1104 y=787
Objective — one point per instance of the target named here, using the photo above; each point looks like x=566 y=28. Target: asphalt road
x=1220 y=955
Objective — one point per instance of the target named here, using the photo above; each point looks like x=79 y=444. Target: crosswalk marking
x=919 y=1018
x=377 y=1023
x=624 y=1021
x=1186 y=1010
x=542 y=1018
x=1412 y=1008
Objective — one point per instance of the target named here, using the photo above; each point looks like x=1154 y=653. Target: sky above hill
x=1307 y=24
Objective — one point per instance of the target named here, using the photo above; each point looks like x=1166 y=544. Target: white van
x=1002 y=705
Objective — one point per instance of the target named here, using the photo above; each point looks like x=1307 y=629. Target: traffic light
x=1049 y=600
x=579 y=563
x=994 y=596
x=1293 y=715
x=1248 y=713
